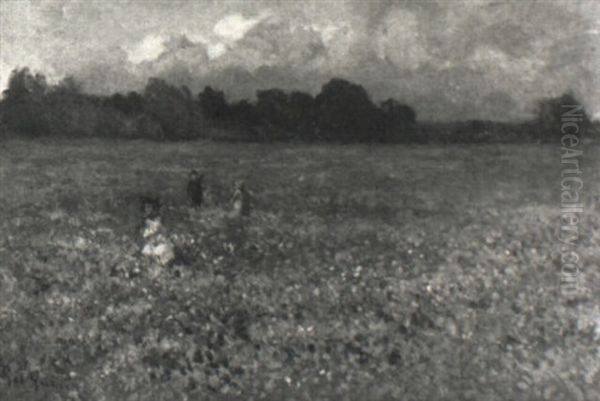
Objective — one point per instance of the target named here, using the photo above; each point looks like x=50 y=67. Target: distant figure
x=150 y=207
x=194 y=188
x=240 y=201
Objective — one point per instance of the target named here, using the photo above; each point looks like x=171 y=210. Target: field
x=363 y=273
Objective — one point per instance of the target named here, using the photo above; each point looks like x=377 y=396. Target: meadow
x=363 y=273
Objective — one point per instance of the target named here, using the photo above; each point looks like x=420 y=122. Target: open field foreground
x=363 y=273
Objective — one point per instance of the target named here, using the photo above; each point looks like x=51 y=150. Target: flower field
x=362 y=273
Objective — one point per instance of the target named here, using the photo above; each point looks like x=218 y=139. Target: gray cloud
x=450 y=59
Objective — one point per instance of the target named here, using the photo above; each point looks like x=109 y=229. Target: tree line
x=341 y=112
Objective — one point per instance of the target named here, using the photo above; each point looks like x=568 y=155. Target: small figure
x=156 y=242
x=195 y=188
x=150 y=207
x=240 y=201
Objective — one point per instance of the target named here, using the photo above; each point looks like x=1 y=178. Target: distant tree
x=244 y=112
x=118 y=102
x=245 y=116
x=594 y=129
x=69 y=111
x=272 y=105
x=73 y=113
x=173 y=109
x=342 y=111
x=551 y=111
x=478 y=125
x=23 y=85
x=68 y=85
x=129 y=104
x=23 y=103
x=213 y=103
x=345 y=112
x=399 y=121
x=302 y=115
x=135 y=103
x=399 y=113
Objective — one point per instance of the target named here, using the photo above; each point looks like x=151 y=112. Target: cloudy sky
x=449 y=59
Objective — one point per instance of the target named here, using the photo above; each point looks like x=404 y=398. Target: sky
x=448 y=59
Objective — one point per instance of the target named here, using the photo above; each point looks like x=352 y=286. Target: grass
x=364 y=272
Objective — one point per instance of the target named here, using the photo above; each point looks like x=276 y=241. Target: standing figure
x=240 y=201
x=195 y=188
x=150 y=206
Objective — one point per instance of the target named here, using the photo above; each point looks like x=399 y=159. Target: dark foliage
x=214 y=105
x=399 y=121
x=345 y=113
x=302 y=115
x=31 y=107
x=130 y=104
x=272 y=108
x=23 y=103
x=341 y=112
x=552 y=112
x=173 y=109
x=244 y=112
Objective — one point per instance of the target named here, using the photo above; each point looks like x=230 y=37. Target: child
x=240 y=201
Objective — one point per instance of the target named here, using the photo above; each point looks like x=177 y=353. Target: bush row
x=342 y=112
